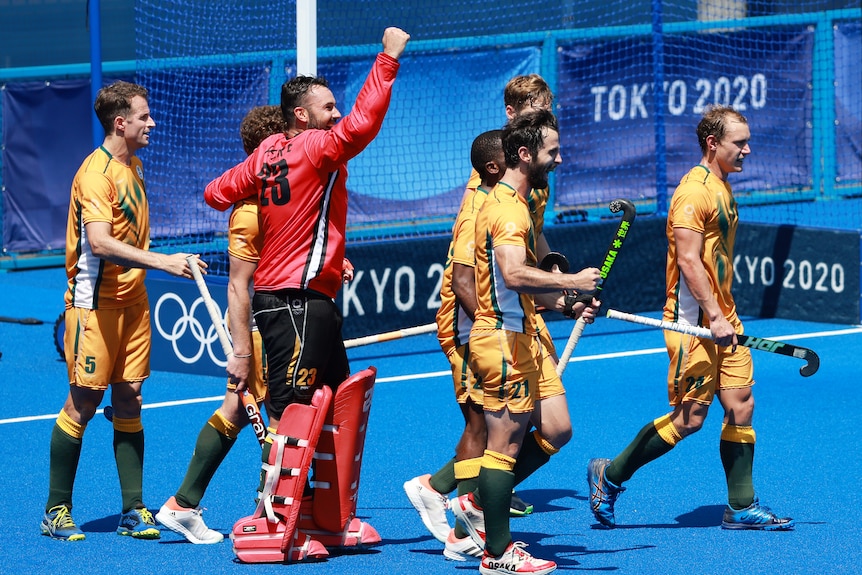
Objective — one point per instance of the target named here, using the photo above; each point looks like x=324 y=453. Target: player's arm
x=358 y=128
x=239 y=318
x=464 y=288
x=105 y=246
x=542 y=247
x=235 y=184
x=689 y=245
x=523 y=278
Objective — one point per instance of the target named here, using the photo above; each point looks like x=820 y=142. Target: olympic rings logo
x=187 y=328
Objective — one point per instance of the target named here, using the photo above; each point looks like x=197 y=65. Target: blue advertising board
x=184 y=339
x=779 y=271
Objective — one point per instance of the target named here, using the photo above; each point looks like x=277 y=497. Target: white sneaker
x=472 y=517
x=430 y=505
x=189 y=524
x=456 y=549
x=515 y=560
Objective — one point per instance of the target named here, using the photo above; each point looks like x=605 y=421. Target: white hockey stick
x=248 y=401
x=812 y=360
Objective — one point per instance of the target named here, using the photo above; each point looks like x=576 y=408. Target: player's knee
x=552 y=444
x=689 y=426
x=563 y=438
x=232 y=409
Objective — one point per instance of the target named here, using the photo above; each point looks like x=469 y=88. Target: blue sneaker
x=755 y=516
x=603 y=493
x=138 y=523
x=58 y=524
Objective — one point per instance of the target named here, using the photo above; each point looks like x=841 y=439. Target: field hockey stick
x=248 y=401
x=21 y=320
x=390 y=335
x=812 y=360
x=629 y=213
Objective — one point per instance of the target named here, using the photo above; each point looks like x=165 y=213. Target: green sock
x=646 y=446
x=210 y=450
x=264 y=459
x=468 y=486
x=737 y=459
x=443 y=481
x=530 y=458
x=496 y=486
x=65 y=454
x=129 y=454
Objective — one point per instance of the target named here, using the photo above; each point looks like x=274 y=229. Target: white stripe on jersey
x=317 y=253
x=87 y=277
x=688 y=310
x=508 y=302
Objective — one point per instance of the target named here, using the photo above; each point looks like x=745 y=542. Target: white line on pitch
x=433 y=374
x=98 y=411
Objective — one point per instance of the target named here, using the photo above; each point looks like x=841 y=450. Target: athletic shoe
x=430 y=505
x=603 y=494
x=470 y=516
x=755 y=516
x=58 y=524
x=518 y=507
x=188 y=523
x=515 y=560
x=138 y=523
x=456 y=549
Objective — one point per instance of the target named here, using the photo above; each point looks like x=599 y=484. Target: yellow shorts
x=513 y=370
x=545 y=337
x=105 y=346
x=699 y=368
x=465 y=382
x=257 y=377
x=550 y=383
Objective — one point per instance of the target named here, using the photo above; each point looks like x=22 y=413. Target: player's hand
x=584 y=311
x=346 y=271
x=178 y=265
x=394 y=41
x=237 y=370
x=586 y=280
x=591 y=311
x=723 y=333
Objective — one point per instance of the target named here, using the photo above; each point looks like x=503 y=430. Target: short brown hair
x=525 y=130
x=260 y=123
x=714 y=123
x=524 y=91
x=116 y=100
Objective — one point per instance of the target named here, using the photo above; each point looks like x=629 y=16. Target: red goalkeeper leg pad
x=355 y=534
x=274 y=521
x=256 y=540
x=338 y=461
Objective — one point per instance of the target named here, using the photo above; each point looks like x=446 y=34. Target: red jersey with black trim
x=302 y=191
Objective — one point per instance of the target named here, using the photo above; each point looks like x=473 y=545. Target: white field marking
x=98 y=411
x=447 y=373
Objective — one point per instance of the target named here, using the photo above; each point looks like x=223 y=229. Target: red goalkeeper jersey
x=302 y=191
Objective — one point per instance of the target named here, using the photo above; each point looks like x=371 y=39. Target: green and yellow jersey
x=702 y=203
x=503 y=220
x=106 y=190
